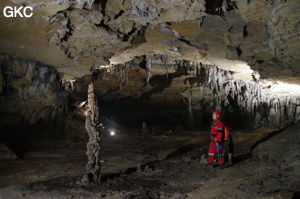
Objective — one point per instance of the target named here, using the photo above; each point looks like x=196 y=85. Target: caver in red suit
x=216 y=146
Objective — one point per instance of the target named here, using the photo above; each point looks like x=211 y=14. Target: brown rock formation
x=263 y=34
x=180 y=89
x=32 y=95
x=92 y=126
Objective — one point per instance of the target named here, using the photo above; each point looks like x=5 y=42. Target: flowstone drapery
x=205 y=87
x=93 y=128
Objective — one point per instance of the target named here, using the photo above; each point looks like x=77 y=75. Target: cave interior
x=136 y=82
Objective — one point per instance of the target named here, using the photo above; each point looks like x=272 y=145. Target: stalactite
x=249 y=96
x=123 y=75
x=190 y=110
x=164 y=60
x=149 y=72
x=167 y=71
x=201 y=21
x=93 y=128
x=217 y=87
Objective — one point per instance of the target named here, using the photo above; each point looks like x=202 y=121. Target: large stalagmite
x=93 y=128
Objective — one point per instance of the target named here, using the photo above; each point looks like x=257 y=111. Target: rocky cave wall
x=179 y=93
x=33 y=100
x=182 y=92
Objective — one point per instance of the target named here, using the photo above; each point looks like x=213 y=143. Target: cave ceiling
x=76 y=36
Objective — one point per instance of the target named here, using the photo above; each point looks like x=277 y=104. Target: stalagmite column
x=93 y=128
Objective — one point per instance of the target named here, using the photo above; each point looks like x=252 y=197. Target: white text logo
x=22 y=11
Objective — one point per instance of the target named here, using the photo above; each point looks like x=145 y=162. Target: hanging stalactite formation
x=244 y=103
x=149 y=72
x=217 y=87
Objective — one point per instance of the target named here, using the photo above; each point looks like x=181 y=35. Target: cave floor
x=133 y=166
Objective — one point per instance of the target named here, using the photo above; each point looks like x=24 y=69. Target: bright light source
x=112 y=133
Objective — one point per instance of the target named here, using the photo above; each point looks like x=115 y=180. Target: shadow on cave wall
x=33 y=103
x=18 y=136
x=218 y=7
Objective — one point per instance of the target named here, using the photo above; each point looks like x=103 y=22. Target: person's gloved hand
x=218 y=146
x=218 y=143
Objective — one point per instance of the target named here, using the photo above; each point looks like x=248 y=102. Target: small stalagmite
x=93 y=128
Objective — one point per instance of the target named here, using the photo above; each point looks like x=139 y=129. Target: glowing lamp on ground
x=112 y=133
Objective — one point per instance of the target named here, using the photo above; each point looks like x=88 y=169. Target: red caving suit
x=216 y=146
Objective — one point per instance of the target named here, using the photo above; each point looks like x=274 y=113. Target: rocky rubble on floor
x=272 y=172
x=265 y=175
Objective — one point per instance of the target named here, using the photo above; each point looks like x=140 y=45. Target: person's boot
x=215 y=165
